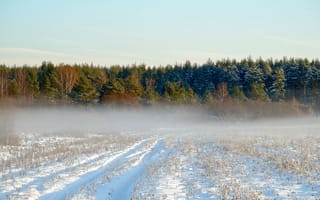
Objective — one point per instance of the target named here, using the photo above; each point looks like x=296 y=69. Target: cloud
x=290 y=41
x=34 y=52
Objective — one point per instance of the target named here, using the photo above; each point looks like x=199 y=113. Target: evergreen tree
x=14 y=89
x=258 y=93
x=114 y=86
x=207 y=97
x=49 y=83
x=48 y=91
x=84 y=91
x=182 y=83
x=133 y=86
x=237 y=93
x=150 y=96
x=33 y=83
x=278 y=85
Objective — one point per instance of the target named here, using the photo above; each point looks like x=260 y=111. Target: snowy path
x=169 y=168
x=172 y=186
x=56 y=181
x=36 y=178
x=72 y=185
x=122 y=186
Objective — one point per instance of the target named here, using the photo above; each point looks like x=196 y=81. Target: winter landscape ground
x=270 y=159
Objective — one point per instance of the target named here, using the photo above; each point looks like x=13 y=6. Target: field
x=266 y=160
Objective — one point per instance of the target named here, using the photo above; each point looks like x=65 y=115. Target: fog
x=167 y=120
x=105 y=120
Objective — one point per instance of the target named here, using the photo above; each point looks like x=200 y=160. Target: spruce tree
x=84 y=91
x=278 y=85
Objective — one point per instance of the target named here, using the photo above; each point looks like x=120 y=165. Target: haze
x=170 y=120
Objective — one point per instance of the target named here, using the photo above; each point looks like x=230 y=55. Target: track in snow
x=110 y=175
x=131 y=161
x=175 y=168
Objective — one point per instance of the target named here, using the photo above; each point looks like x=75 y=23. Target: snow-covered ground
x=132 y=166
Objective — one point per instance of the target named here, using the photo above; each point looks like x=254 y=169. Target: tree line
x=244 y=80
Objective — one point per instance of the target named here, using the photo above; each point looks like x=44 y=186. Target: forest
x=246 y=80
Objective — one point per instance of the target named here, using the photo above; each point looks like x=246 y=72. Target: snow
x=166 y=167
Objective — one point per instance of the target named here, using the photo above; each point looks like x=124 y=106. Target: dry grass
x=298 y=155
x=22 y=158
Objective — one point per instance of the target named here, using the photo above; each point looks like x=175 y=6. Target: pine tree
x=33 y=83
x=258 y=93
x=237 y=93
x=278 y=85
x=207 y=97
x=48 y=90
x=113 y=86
x=133 y=86
x=84 y=91
x=150 y=96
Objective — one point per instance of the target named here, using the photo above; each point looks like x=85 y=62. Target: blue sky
x=156 y=32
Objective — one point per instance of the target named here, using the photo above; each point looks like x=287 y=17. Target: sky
x=156 y=32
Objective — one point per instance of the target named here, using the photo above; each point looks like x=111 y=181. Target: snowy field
x=278 y=159
x=126 y=166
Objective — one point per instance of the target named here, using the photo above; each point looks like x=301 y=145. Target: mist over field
x=168 y=120
x=163 y=152
x=155 y=100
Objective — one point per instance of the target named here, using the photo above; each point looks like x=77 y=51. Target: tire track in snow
x=60 y=190
x=46 y=172
x=122 y=186
x=167 y=177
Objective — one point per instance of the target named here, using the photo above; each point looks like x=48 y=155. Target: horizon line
x=256 y=58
